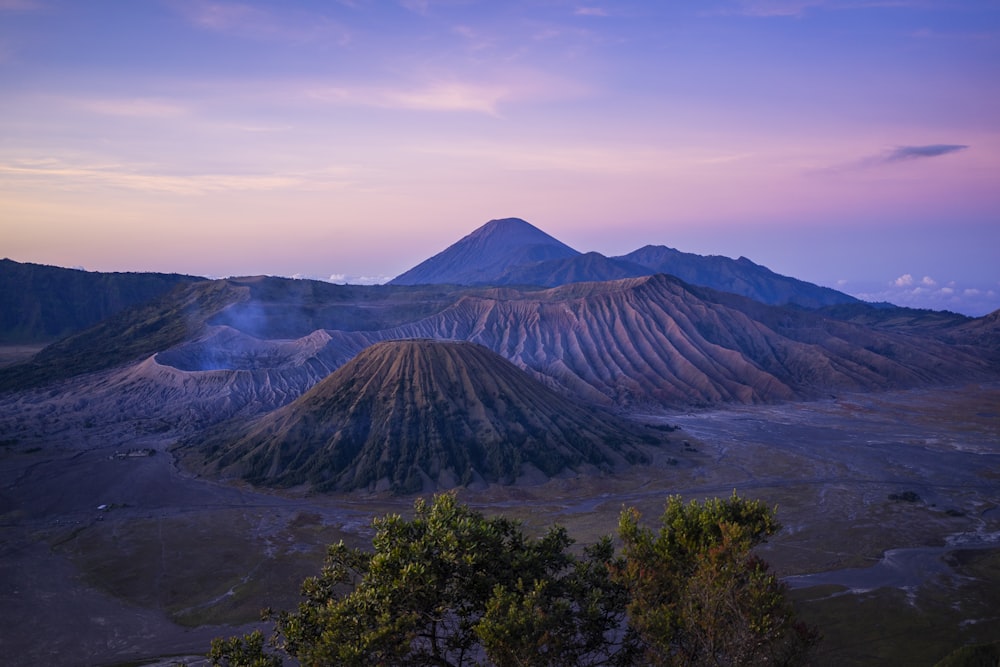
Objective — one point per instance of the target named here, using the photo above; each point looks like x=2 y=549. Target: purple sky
x=850 y=143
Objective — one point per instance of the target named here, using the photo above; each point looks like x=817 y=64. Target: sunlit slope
x=657 y=340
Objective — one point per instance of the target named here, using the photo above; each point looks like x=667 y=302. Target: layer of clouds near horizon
x=926 y=292
x=357 y=139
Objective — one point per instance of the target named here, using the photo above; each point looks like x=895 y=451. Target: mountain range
x=278 y=377
x=510 y=251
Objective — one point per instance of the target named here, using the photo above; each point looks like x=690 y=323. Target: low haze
x=854 y=144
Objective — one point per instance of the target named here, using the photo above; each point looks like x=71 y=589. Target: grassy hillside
x=127 y=336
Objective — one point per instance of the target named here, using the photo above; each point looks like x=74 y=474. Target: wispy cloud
x=20 y=5
x=454 y=96
x=928 y=33
x=894 y=156
x=450 y=94
x=767 y=8
x=798 y=8
x=222 y=16
x=486 y=94
x=259 y=129
x=416 y=6
x=576 y=158
x=905 y=153
x=475 y=39
x=590 y=11
x=138 y=107
x=253 y=22
x=725 y=158
x=443 y=96
x=77 y=175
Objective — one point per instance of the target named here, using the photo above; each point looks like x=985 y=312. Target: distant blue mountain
x=487 y=253
x=514 y=252
x=738 y=276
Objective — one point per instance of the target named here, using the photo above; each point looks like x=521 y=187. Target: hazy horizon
x=850 y=144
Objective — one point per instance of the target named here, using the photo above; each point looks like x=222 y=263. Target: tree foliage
x=452 y=587
x=245 y=651
x=698 y=594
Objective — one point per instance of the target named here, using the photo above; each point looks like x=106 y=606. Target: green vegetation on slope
x=39 y=304
x=130 y=335
x=980 y=655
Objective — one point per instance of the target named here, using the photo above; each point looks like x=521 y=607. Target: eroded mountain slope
x=408 y=415
x=655 y=340
x=651 y=341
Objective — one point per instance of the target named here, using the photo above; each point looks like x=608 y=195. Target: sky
x=851 y=143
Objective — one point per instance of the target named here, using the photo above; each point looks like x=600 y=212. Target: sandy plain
x=109 y=559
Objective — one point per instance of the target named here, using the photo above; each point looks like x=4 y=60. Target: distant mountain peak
x=513 y=229
x=487 y=252
x=511 y=251
x=505 y=224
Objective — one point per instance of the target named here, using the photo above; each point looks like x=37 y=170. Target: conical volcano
x=487 y=253
x=415 y=415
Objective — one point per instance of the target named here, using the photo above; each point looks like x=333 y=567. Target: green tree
x=451 y=587
x=699 y=596
x=246 y=651
x=575 y=618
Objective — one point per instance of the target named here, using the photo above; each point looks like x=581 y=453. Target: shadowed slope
x=416 y=414
x=739 y=276
x=192 y=316
x=488 y=252
x=982 y=332
x=290 y=308
x=130 y=335
x=588 y=267
x=513 y=252
x=43 y=303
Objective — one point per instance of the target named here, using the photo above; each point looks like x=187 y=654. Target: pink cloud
x=253 y=22
x=904 y=280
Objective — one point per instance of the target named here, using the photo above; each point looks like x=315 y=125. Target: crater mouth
x=226 y=349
